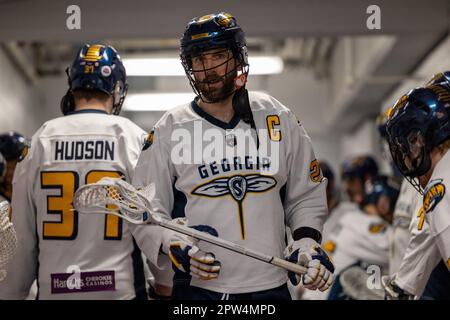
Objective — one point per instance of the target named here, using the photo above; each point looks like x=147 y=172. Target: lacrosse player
x=72 y=255
x=424 y=269
x=362 y=239
x=239 y=191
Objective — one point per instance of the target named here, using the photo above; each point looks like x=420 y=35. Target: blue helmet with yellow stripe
x=213 y=31
x=418 y=122
x=96 y=67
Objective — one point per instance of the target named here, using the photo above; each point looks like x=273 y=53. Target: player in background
x=357 y=172
x=362 y=238
x=72 y=255
x=422 y=272
x=337 y=208
x=13 y=147
x=238 y=198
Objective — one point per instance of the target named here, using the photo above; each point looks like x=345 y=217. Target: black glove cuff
x=307 y=232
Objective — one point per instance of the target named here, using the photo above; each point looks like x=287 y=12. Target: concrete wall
x=21 y=104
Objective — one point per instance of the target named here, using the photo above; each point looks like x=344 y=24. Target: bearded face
x=215 y=72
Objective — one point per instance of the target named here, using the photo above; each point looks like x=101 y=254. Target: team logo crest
x=237 y=187
x=377 y=228
x=433 y=194
x=148 y=140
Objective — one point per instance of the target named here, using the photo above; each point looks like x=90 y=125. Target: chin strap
x=241 y=106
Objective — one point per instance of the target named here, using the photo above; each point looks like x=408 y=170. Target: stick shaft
x=233 y=246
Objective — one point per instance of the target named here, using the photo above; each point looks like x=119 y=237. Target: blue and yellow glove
x=187 y=257
x=308 y=253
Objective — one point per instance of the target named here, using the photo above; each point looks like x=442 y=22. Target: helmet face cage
x=96 y=67
x=214 y=33
x=240 y=71
x=411 y=155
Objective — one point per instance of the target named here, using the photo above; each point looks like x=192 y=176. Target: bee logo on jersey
x=238 y=187
x=434 y=193
x=148 y=140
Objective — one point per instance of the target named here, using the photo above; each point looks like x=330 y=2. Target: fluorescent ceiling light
x=172 y=66
x=156 y=101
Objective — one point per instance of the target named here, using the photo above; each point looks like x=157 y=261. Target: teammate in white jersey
x=73 y=255
x=14 y=147
x=198 y=158
x=419 y=133
x=362 y=239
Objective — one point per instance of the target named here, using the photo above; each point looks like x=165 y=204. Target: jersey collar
x=230 y=125
x=87 y=111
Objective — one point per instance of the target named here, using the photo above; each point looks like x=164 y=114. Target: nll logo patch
x=237 y=187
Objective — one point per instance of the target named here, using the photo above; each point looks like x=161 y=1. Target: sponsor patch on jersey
x=377 y=228
x=83 y=282
x=433 y=194
x=148 y=140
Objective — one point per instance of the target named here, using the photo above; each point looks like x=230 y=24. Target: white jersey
x=360 y=238
x=333 y=221
x=436 y=207
x=249 y=200
x=73 y=255
x=421 y=256
x=405 y=209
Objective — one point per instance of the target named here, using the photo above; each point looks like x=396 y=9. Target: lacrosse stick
x=8 y=239
x=117 y=197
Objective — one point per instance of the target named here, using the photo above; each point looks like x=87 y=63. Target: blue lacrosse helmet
x=96 y=67
x=359 y=167
x=418 y=122
x=439 y=78
x=213 y=31
x=13 y=145
x=382 y=185
x=381 y=122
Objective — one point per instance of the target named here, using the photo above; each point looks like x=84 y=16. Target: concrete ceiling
x=100 y=19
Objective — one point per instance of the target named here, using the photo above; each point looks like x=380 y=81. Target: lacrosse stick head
x=8 y=238
x=115 y=196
